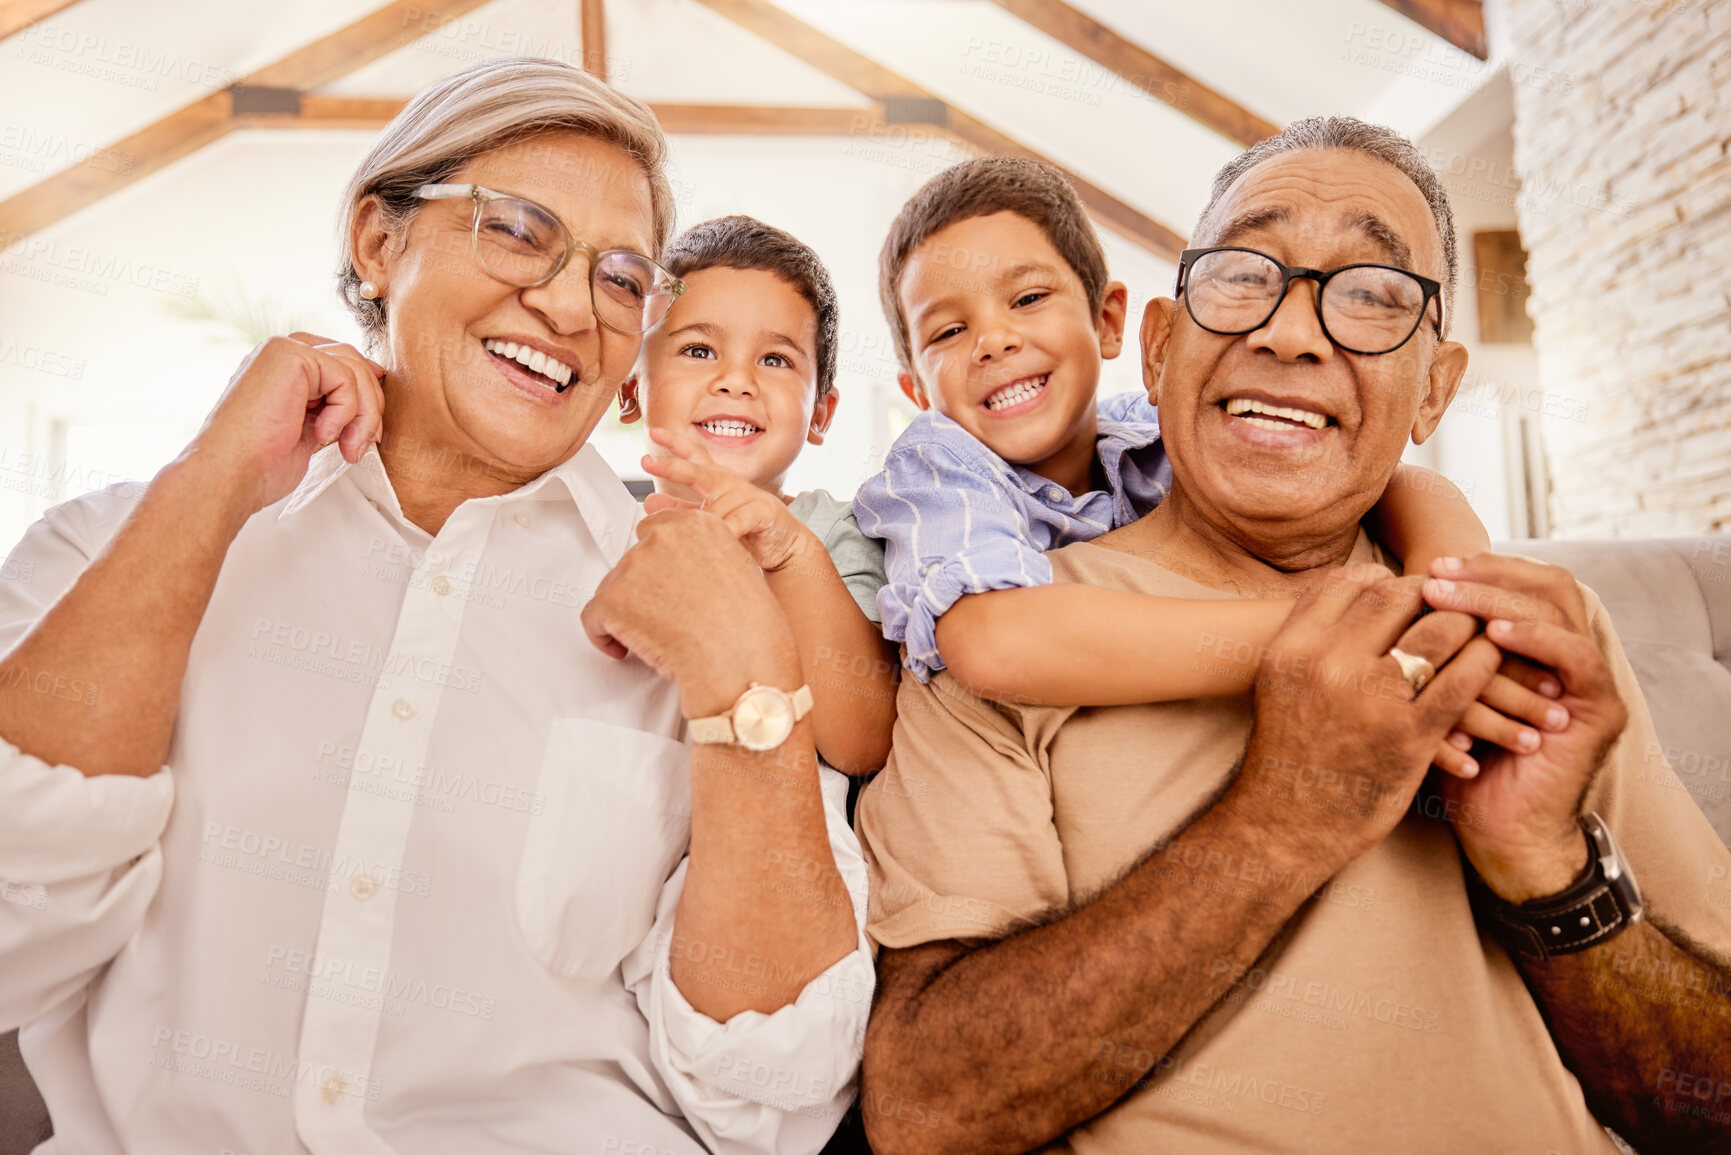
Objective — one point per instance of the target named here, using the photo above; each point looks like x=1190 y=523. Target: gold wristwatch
x=761 y=718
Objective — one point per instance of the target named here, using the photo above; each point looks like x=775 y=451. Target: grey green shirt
x=858 y=559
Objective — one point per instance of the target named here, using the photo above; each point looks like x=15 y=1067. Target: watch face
x=762 y=718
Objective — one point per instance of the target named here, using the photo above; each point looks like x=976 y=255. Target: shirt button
x=522 y=519
x=363 y=886
x=403 y=708
x=1054 y=494
x=441 y=586
x=334 y=1085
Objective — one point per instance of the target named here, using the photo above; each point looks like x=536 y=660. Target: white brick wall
x=1626 y=216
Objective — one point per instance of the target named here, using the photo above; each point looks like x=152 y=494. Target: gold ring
x=1416 y=670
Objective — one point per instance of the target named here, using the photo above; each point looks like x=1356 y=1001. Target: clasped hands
x=1335 y=698
x=690 y=597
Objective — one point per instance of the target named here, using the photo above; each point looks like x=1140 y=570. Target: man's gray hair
x=1348 y=132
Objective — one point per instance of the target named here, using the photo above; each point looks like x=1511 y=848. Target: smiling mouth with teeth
x=729 y=427
x=1266 y=416
x=557 y=373
x=1016 y=392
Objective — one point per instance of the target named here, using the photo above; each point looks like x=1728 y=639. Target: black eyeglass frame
x=1291 y=273
x=675 y=287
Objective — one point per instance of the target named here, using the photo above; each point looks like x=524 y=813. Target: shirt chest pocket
x=616 y=821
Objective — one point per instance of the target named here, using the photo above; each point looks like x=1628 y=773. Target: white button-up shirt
x=407 y=882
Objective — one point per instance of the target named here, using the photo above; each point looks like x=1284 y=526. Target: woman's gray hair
x=490 y=105
x=1348 y=132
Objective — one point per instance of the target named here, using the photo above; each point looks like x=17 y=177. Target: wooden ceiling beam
x=592 y=20
x=210 y=118
x=379 y=33
x=799 y=39
x=17 y=15
x=1158 y=78
x=1122 y=218
x=368 y=113
x=769 y=120
x=764 y=120
x=915 y=105
x=1460 y=22
x=318 y=111
x=180 y=133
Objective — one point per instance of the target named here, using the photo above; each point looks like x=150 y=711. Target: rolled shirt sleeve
x=79 y=856
x=959 y=830
x=776 y=1084
x=951 y=526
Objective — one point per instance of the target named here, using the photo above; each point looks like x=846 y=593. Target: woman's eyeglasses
x=523 y=244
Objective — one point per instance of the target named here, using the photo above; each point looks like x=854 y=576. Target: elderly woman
x=352 y=833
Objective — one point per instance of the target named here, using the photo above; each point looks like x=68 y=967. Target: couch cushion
x=1709 y=559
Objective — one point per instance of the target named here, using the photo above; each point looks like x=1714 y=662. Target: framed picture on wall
x=1501 y=280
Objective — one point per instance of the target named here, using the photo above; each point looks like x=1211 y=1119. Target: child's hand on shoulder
x=770 y=534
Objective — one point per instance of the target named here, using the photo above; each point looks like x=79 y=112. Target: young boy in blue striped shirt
x=995 y=286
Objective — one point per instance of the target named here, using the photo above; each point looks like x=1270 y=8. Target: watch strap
x=1563 y=927
x=1590 y=911
x=715 y=730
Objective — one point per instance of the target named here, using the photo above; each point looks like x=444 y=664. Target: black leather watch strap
x=1594 y=908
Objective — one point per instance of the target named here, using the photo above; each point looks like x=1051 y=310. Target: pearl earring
x=369 y=291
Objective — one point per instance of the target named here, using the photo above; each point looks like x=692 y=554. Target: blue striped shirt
x=958 y=519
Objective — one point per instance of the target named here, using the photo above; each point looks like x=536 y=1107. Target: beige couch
x=1670 y=602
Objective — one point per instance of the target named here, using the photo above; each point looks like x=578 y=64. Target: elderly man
x=1194 y=927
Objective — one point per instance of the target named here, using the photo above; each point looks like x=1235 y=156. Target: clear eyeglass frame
x=664 y=288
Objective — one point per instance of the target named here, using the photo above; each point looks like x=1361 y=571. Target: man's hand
x=1620 y=1034
x=290 y=398
x=1526 y=842
x=1340 y=736
x=760 y=520
x=688 y=601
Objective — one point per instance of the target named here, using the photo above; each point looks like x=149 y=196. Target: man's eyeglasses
x=523 y=244
x=1367 y=309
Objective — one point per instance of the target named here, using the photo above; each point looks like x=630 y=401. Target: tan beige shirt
x=1379 y=1021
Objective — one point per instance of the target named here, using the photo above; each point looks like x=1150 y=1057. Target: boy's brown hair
x=1033 y=189
x=742 y=242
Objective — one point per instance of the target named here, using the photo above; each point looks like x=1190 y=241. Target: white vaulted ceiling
x=118 y=321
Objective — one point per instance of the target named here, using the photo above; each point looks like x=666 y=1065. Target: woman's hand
x=291 y=397
x=759 y=519
x=687 y=567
